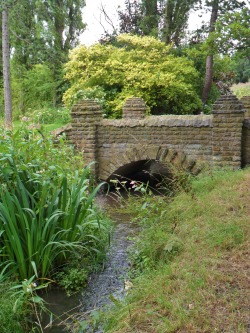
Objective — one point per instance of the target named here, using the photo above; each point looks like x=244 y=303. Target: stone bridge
x=137 y=141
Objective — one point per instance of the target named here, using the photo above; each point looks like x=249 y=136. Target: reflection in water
x=105 y=285
x=62 y=307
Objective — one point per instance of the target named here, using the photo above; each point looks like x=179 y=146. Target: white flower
x=128 y=285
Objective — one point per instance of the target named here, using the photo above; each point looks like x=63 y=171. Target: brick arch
x=167 y=157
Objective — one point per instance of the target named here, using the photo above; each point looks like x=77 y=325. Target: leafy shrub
x=34 y=88
x=137 y=66
x=50 y=115
x=35 y=148
x=73 y=279
x=241 y=89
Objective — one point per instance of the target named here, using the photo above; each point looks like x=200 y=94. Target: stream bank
x=105 y=286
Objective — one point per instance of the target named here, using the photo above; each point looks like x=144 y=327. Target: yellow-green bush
x=136 y=66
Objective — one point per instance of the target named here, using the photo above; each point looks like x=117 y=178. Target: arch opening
x=150 y=172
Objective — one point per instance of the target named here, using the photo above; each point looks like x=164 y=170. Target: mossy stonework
x=221 y=139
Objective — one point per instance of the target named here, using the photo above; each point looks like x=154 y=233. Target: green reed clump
x=46 y=209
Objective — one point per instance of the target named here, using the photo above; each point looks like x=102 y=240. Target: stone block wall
x=228 y=116
x=212 y=139
x=85 y=117
x=246 y=132
x=140 y=139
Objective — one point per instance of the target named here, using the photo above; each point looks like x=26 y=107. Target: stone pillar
x=85 y=117
x=228 y=115
x=245 y=100
x=134 y=108
x=246 y=132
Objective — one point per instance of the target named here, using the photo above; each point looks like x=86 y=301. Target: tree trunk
x=208 y=78
x=210 y=58
x=6 y=69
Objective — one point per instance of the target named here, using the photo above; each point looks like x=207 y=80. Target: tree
x=136 y=66
x=233 y=31
x=41 y=29
x=210 y=57
x=165 y=19
x=42 y=32
x=6 y=64
x=174 y=19
x=130 y=18
x=222 y=10
x=242 y=65
x=150 y=23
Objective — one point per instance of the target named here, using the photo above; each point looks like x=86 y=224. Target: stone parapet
x=228 y=115
x=246 y=132
x=245 y=100
x=86 y=115
x=134 y=108
x=227 y=104
x=162 y=121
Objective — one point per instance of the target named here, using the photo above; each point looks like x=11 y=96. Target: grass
x=241 y=89
x=193 y=264
x=11 y=322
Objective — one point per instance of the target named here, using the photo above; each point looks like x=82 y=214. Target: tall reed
x=44 y=219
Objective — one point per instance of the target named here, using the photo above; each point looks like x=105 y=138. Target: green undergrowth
x=51 y=231
x=241 y=89
x=11 y=321
x=189 y=262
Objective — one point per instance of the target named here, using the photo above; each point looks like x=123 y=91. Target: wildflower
x=133 y=183
x=128 y=285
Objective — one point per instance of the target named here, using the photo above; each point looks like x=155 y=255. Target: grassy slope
x=205 y=288
x=241 y=89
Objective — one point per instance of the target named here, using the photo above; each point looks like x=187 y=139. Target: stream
x=104 y=287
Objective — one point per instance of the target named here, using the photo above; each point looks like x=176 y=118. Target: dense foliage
x=46 y=211
x=41 y=34
x=137 y=66
x=10 y=321
x=226 y=32
x=166 y=20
